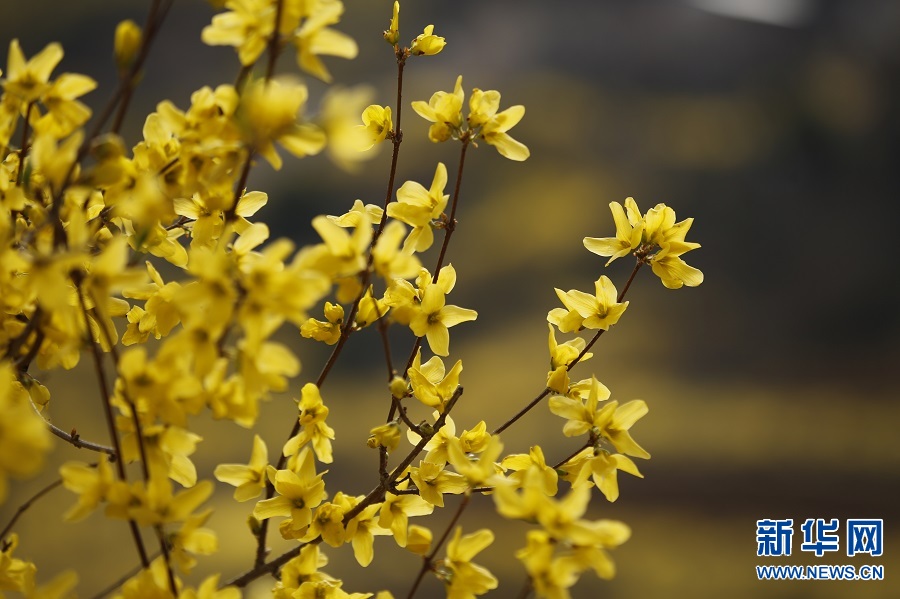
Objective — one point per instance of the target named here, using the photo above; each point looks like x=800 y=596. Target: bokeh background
x=772 y=387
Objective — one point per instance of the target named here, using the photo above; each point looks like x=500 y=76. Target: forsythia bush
x=85 y=225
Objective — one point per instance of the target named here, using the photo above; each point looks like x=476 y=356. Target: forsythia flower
x=249 y=479
x=312 y=417
x=628 y=236
x=433 y=481
x=431 y=384
x=426 y=43
x=269 y=111
x=299 y=490
x=444 y=109
x=602 y=467
x=315 y=38
x=417 y=207
x=582 y=310
x=561 y=356
x=464 y=579
x=433 y=317
x=247 y=27
x=396 y=510
x=494 y=125
x=377 y=125
x=329 y=331
x=655 y=238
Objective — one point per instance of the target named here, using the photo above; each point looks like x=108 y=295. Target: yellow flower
x=466 y=580
x=520 y=464
x=582 y=310
x=244 y=27
x=417 y=207
x=377 y=125
x=627 y=237
x=192 y=539
x=584 y=416
x=269 y=111
x=329 y=331
x=433 y=481
x=315 y=38
x=433 y=317
x=29 y=81
x=250 y=479
x=444 y=109
x=480 y=470
x=387 y=258
x=396 y=511
x=361 y=531
x=426 y=43
x=314 y=430
x=561 y=356
x=494 y=125
x=299 y=490
x=431 y=384
x=601 y=466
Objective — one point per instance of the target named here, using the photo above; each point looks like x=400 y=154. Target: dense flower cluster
x=150 y=263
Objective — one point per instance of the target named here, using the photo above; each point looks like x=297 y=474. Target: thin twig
x=112 y=587
x=451 y=223
x=75 y=439
x=107 y=411
x=24 y=507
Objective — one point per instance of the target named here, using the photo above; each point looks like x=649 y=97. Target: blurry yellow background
x=771 y=387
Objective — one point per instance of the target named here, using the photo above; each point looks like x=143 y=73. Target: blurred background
x=772 y=387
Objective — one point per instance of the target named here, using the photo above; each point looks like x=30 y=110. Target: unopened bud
x=399 y=387
x=127 y=43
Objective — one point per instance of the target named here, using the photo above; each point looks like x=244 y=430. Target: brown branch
x=75 y=439
x=129 y=80
x=274 y=41
x=107 y=411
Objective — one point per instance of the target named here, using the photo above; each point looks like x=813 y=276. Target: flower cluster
x=150 y=264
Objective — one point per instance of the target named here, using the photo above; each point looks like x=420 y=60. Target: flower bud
x=127 y=42
x=399 y=387
x=392 y=34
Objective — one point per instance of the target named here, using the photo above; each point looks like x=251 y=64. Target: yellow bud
x=386 y=435
x=392 y=34
x=399 y=388
x=254 y=524
x=418 y=539
x=558 y=380
x=127 y=42
x=334 y=312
